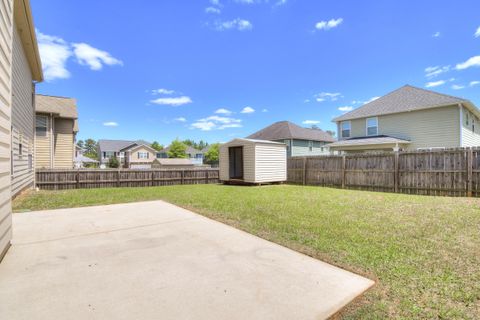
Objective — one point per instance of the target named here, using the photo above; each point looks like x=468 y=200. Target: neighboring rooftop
x=406 y=98
x=286 y=130
x=373 y=140
x=117 y=145
x=175 y=162
x=62 y=106
x=189 y=150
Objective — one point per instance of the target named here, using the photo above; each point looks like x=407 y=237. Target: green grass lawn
x=423 y=251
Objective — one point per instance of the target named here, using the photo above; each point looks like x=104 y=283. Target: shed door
x=235 y=155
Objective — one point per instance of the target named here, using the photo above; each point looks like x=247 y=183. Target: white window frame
x=44 y=134
x=142 y=155
x=349 y=129
x=367 y=127
x=310 y=145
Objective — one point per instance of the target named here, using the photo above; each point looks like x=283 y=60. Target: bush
x=113 y=162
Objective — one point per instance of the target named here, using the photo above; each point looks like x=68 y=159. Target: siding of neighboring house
x=430 y=128
x=64 y=147
x=470 y=129
x=23 y=117
x=43 y=146
x=134 y=155
x=270 y=163
x=302 y=148
x=6 y=33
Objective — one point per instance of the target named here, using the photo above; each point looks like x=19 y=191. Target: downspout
x=460 y=108
x=52 y=141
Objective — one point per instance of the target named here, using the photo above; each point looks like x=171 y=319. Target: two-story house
x=130 y=154
x=56 y=127
x=300 y=141
x=409 y=118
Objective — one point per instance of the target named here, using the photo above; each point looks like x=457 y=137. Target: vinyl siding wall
x=270 y=163
x=470 y=130
x=64 y=147
x=431 y=128
x=23 y=117
x=6 y=34
x=301 y=148
x=43 y=146
x=134 y=155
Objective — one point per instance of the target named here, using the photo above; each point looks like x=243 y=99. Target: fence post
x=206 y=176
x=182 y=175
x=77 y=179
x=153 y=178
x=396 y=173
x=344 y=167
x=469 y=163
x=304 y=178
x=118 y=178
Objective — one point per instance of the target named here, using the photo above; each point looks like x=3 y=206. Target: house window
x=20 y=149
x=467 y=122
x=473 y=125
x=372 y=126
x=41 y=126
x=121 y=154
x=346 y=127
x=108 y=154
x=142 y=155
x=310 y=146
x=30 y=162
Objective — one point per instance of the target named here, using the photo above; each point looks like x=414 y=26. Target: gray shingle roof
x=406 y=98
x=368 y=141
x=287 y=130
x=114 y=145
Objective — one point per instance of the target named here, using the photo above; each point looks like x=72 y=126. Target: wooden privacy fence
x=451 y=172
x=98 y=178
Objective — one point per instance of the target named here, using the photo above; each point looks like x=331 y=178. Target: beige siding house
x=253 y=161
x=409 y=118
x=140 y=157
x=56 y=127
x=19 y=66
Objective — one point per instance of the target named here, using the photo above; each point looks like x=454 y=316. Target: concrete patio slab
x=154 y=260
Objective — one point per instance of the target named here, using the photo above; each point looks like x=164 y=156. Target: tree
x=191 y=143
x=90 y=147
x=331 y=132
x=157 y=146
x=113 y=162
x=211 y=156
x=177 y=149
x=315 y=127
x=80 y=144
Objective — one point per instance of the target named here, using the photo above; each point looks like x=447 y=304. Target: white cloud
x=163 y=91
x=264 y=110
x=216 y=123
x=212 y=10
x=323 y=96
x=457 y=87
x=223 y=111
x=215 y=2
x=472 y=62
x=431 y=72
x=180 y=119
x=327 y=25
x=436 y=34
x=175 y=102
x=477 y=33
x=345 y=108
x=310 y=122
x=54 y=53
x=237 y=24
x=247 y=110
x=93 y=57
x=306 y=101
x=434 y=83
x=474 y=83
x=110 y=124
x=280 y=3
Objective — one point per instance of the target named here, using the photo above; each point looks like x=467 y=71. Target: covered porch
x=370 y=144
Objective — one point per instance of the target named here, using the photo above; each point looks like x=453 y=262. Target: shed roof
x=288 y=130
x=406 y=98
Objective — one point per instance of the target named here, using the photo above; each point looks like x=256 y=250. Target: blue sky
x=215 y=70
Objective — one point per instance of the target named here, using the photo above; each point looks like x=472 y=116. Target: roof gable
x=64 y=107
x=404 y=99
x=288 y=130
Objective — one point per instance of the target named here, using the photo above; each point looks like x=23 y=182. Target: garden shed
x=253 y=161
